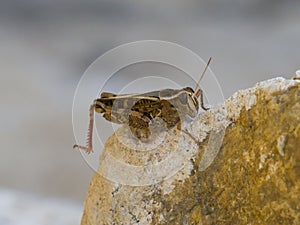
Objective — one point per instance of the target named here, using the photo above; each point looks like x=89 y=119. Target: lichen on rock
x=248 y=173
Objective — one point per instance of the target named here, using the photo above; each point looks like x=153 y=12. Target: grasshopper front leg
x=200 y=94
x=89 y=147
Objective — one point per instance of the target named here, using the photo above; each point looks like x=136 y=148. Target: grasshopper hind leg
x=89 y=146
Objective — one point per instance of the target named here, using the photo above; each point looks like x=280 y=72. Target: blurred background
x=47 y=45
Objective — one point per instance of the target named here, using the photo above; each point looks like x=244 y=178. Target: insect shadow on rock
x=138 y=111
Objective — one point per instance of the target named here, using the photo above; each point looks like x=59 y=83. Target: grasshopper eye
x=184 y=98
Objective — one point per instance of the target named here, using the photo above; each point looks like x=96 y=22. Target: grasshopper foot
x=86 y=149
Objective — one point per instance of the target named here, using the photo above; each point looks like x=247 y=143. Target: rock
x=239 y=164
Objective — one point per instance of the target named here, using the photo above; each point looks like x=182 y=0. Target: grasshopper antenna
x=197 y=89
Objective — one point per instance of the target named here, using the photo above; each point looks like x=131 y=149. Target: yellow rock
x=245 y=170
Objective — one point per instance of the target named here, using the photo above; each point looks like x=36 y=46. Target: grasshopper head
x=194 y=95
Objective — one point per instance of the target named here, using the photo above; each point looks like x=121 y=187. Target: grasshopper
x=139 y=110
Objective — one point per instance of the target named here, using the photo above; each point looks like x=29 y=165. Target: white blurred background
x=45 y=46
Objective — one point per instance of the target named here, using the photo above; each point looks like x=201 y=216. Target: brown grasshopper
x=138 y=110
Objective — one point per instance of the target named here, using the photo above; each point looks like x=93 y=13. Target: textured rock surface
x=251 y=177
